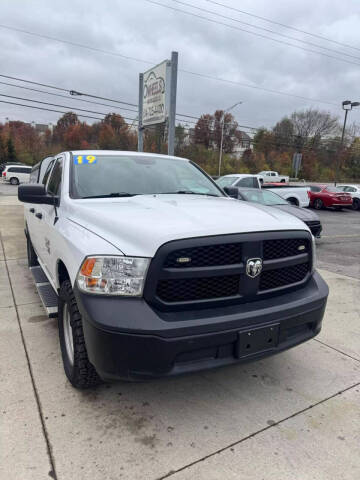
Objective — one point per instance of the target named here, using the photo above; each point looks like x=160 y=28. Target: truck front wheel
x=31 y=255
x=78 y=369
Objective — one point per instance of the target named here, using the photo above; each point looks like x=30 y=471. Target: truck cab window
x=47 y=173
x=55 y=179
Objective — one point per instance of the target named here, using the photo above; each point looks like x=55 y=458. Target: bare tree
x=314 y=123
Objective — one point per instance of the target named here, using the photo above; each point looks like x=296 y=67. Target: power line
x=75 y=92
x=64 y=96
x=61 y=106
x=64 y=89
x=188 y=72
x=75 y=44
x=249 y=31
x=86 y=101
x=212 y=12
x=43 y=108
x=283 y=25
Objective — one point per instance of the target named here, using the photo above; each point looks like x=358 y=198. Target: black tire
x=293 y=201
x=282 y=181
x=356 y=204
x=14 y=181
x=318 y=204
x=80 y=372
x=31 y=255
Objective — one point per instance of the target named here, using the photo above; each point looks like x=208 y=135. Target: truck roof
x=122 y=152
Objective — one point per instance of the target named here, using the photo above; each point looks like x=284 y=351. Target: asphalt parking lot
x=292 y=416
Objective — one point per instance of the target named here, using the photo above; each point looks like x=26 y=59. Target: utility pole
x=140 y=127
x=222 y=132
x=346 y=105
x=172 y=106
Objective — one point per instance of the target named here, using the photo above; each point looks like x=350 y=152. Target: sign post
x=172 y=107
x=140 y=125
x=157 y=99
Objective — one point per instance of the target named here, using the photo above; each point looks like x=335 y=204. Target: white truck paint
x=273 y=177
x=157 y=272
x=92 y=226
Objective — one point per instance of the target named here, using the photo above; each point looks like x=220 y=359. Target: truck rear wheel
x=78 y=369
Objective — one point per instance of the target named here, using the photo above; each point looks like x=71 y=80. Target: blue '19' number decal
x=84 y=159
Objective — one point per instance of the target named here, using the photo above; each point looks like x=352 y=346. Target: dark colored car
x=271 y=199
x=324 y=196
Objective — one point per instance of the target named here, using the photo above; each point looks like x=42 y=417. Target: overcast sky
x=150 y=32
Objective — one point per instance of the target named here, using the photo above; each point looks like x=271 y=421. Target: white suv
x=16 y=174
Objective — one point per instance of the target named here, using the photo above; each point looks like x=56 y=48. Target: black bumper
x=128 y=339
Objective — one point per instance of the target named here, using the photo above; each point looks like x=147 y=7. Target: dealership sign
x=155 y=95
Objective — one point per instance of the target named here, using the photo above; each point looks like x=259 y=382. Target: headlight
x=313 y=249
x=113 y=275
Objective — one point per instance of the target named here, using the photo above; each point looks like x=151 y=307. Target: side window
x=55 y=178
x=11 y=169
x=47 y=172
x=34 y=175
x=273 y=174
x=246 y=182
x=43 y=167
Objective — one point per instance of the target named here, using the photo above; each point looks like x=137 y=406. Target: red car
x=322 y=196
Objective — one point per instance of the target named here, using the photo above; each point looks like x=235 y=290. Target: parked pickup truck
x=153 y=270
x=273 y=177
x=295 y=195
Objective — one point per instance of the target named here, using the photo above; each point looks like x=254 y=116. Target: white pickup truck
x=294 y=194
x=154 y=271
x=273 y=177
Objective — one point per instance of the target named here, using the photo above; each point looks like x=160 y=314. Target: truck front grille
x=209 y=270
x=186 y=289
x=285 y=248
x=283 y=276
x=206 y=256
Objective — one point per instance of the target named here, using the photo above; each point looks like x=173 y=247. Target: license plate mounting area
x=257 y=340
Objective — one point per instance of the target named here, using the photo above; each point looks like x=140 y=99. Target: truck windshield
x=96 y=176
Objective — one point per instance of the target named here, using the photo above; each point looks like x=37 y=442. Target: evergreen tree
x=11 y=154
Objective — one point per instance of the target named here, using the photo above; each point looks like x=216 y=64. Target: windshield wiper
x=190 y=192
x=115 y=194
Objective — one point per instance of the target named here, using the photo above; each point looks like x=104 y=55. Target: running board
x=46 y=292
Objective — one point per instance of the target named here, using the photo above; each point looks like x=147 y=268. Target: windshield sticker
x=84 y=160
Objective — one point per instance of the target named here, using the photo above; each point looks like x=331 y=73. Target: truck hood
x=139 y=225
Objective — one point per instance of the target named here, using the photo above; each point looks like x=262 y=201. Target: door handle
x=32 y=210
x=38 y=215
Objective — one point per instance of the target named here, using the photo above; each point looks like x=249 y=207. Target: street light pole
x=222 y=132
x=346 y=105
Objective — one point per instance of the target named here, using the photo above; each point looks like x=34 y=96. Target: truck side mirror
x=36 y=193
x=231 y=192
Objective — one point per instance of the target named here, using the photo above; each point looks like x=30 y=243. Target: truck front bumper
x=127 y=339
